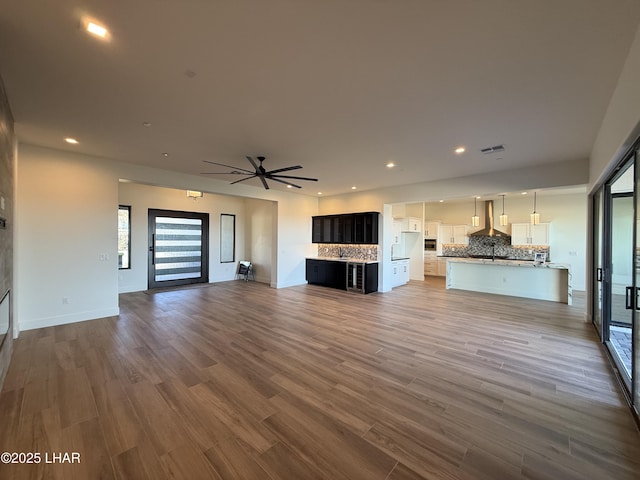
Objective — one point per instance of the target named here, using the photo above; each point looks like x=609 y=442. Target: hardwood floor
x=241 y=381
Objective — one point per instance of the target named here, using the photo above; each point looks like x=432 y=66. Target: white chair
x=245 y=270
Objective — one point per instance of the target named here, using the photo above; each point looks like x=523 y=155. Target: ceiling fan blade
x=229 y=166
x=278 y=170
x=294 y=178
x=226 y=173
x=253 y=162
x=243 y=179
x=264 y=182
x=285 y=182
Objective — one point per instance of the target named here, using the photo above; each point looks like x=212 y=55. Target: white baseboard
x=65 y=319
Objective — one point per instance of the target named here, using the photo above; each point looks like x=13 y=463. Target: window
x=124 y=237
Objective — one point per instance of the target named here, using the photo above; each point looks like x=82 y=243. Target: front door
x=178 y=248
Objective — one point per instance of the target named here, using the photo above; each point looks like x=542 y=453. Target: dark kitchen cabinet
x=346 y=228
x=365 y=228
x=362 y=277
x=327 y=273
x=322 y=229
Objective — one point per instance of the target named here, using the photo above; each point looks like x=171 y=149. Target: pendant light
x=475 y=220
x=535 y=216
x=504 y=219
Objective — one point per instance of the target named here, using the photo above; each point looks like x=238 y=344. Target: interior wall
x=67 y=223
x=259 y=237
x=143 y=197
x=7 y=189
x=621 y=124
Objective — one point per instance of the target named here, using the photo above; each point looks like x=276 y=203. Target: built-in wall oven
x=430 y=244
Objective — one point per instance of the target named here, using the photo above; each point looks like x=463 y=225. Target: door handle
x=599 y=274
x=629 y=298
x=152 y=249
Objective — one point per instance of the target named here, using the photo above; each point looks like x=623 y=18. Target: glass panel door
x=178 y=248
x=636 y=286
x=619 y=277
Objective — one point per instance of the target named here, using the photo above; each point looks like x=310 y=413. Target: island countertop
x=509 y=263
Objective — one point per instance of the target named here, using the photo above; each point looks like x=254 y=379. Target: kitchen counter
x=343 y=259
x=518 y=278
x=511 y=263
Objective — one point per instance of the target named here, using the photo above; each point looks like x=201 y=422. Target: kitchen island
x=516 y=278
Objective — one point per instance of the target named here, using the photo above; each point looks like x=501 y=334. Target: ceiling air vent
x=495 y=149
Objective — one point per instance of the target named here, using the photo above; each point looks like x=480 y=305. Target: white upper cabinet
x=527 y=234
x=456 y=234
x=410 y=224
x=451 y=234
x=431 y=229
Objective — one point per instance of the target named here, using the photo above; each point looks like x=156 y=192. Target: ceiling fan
x=261 y=173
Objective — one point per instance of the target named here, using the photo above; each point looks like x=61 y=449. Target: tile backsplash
x=361 y=252
x=488 y=246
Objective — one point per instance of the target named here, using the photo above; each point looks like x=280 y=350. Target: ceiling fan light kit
x=261 y=173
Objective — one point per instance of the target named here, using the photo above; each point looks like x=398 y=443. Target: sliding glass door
x=636 y=286
x=178 y=248
x=616 y=270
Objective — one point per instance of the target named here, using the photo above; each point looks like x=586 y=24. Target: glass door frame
x=204 y=242
x=601 y=257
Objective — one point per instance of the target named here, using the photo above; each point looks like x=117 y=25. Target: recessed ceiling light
x=441 y=201
x=354 y=187
x=72 y=141
x=478 y=197
x=97 y=30
x=319 y=193
x=289 y=186
x=524 y=193
x=391 y=165
x=460 y=150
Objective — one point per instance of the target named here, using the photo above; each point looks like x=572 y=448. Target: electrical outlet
x=65 y=300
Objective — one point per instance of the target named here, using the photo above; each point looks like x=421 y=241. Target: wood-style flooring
x=241 y=381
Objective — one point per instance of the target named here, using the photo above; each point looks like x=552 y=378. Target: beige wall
x=621 y=124
x=68 y=221
x=143 y=197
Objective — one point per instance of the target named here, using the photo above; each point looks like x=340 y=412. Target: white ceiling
x=340 y=87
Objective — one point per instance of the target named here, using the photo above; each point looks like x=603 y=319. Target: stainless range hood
x=488 y=230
